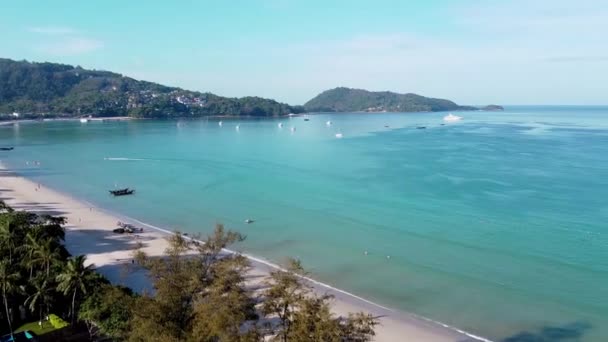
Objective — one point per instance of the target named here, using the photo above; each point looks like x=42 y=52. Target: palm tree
x=9 y=236
x=41 y=296
x=28 y=248
x=8 y=284
x=74 y=278
x=45 y=254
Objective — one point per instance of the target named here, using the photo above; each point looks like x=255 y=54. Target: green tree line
x=200 y=292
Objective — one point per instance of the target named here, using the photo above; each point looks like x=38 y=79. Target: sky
x=470 y=51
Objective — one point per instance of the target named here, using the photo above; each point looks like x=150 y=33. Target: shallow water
x=496 y=224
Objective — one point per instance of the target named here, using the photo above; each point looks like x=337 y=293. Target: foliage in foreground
x=201 y=292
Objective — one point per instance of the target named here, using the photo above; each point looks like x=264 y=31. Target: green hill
x=50 y=89
x=359 y=100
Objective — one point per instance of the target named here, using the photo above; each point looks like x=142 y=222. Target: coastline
x=96 y=119
x=89 y=231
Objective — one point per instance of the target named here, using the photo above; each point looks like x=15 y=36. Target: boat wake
x=126 y=159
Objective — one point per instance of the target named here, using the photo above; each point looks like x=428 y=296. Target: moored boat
x=122 y=192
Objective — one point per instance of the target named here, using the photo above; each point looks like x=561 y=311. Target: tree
x=45 y=253
x=74 y=278
x=304 y=316
x=108 y=310
x=8 y=284
x=199 y=293
x=358 y=327
x=41 y=296
x=284 y=293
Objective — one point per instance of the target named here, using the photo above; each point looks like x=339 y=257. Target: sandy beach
x=89 y=232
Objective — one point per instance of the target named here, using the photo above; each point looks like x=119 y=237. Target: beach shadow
x=129 y=275
x=569 y=332
x=106 y=241
x=40 y=208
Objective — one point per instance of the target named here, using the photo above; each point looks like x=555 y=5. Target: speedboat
x=452 y=118
x=84 y=120
x=339 y=135
x=328 y=123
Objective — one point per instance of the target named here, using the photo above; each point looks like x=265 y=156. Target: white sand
x=89 y=231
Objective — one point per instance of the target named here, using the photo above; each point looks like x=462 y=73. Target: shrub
x=57 y=322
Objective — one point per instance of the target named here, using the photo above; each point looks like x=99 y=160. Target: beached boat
x=452 y=118
x=122 y=192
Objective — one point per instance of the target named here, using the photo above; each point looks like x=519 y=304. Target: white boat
x=452 y=118
x=339 y=135
x=328 y=123
x=280 y=125
x=84 y=120
x=220 y=124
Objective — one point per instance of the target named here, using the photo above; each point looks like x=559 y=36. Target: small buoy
x=280 y=125
x=388 y=256
x=293 y=129
x=365 y=252
x=237 y=127
x=328 y=123
x=220 y=124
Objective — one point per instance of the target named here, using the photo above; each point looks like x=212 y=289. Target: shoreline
x=89 y=231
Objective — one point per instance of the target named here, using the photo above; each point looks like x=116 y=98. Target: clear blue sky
x=470 y=51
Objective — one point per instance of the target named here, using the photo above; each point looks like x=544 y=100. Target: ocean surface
x=497 y=224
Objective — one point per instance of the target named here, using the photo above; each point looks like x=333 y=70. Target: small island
x=492 y=108
x=344 y=99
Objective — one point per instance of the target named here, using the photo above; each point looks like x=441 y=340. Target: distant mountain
x=359 y=100
x=49 y=89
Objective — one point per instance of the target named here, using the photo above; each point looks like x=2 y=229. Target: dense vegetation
x=359 y=100
x=200 y=293
x=49 y=89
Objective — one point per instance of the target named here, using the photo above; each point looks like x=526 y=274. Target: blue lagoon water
x=497 y=224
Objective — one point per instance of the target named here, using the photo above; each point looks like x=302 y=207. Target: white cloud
x=52 y=30
x=64 y=41
x=511 y=52
x=70 y=46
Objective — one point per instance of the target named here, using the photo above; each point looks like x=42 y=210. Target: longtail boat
x=122 y=192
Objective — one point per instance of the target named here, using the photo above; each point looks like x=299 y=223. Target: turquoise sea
x=497 y=224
